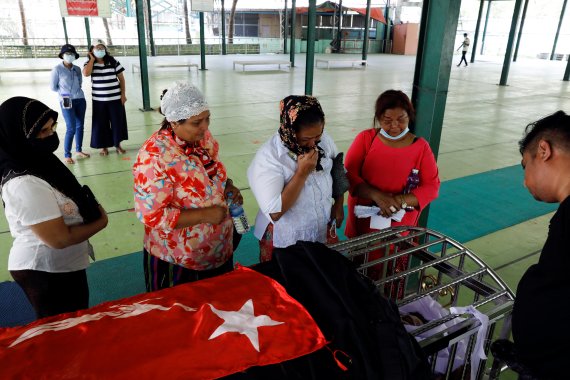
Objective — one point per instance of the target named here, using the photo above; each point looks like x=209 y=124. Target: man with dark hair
x=465 y=45
x=542 y=307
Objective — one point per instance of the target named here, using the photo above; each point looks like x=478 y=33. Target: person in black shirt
x=542 y=307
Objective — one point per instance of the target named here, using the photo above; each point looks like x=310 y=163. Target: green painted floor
x=482 y=125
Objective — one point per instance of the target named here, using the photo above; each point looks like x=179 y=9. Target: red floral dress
x=167 y=180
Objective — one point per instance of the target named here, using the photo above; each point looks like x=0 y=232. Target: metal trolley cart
x=410 y=264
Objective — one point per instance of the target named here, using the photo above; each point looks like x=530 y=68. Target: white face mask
x=69 y=58
x=386 y=135
x=99 y=53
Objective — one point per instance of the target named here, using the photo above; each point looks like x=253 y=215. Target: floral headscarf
x=291 y=108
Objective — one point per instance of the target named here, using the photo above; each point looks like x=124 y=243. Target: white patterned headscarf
x=182 y=101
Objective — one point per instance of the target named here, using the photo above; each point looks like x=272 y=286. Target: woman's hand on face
x=215 y=214
x=307 y=162
x=235 y=193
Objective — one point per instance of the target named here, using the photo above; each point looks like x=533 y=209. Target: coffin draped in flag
x=207 y=329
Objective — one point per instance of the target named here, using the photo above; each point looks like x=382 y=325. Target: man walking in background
x=465 y=46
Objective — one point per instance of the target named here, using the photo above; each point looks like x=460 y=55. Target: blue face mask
x=386 y=135
x=99 y=53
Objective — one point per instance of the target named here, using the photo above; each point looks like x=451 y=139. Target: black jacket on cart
x=540 y=314
x=364 y=328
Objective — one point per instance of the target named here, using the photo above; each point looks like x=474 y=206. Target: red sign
x=203 y=330
x=82 y=7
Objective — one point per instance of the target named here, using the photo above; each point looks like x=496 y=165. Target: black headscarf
x=21 y=153
x=292 y=110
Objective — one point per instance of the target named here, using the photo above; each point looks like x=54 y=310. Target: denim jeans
x=74 y=121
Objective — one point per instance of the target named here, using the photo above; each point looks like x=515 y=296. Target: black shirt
x=541 y=314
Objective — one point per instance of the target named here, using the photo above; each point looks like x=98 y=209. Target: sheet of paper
x=378 y=222
x=365 y=211
x=399 y=215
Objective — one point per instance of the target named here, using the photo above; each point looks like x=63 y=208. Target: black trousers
x=463 y=58
x=54 y=293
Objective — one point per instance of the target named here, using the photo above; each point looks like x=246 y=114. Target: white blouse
x=30 y=200
x=271 y=169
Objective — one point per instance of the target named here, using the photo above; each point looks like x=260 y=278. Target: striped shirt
x=104 y=82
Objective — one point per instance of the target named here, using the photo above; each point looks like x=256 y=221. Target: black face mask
x=46 y=145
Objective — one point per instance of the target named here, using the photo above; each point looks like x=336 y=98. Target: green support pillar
x=366 y=27
x=128 y=9
x=293 y=21
x=567 y=72
x=150 y=35
x=223 y=29
x=311 y=29
x=142 y=55
x=285 y=27
x=202 y=43
x=520 y=31
x=65 y=30
x=88 y=32
x=485 y=27
x=433 y=67
x=476 y=36
x=339 y=27
x=509 y=51
x=558 y=30
x=386 y=26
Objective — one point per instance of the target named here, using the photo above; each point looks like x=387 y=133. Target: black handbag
x=338 y=173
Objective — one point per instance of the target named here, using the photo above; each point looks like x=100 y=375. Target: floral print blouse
x=166 y=181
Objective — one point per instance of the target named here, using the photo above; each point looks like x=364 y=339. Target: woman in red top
x=378 y=164
x=380 y=160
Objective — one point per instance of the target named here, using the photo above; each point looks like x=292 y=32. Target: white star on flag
x=242 y=321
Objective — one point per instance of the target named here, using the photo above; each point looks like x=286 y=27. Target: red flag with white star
x=203 y=330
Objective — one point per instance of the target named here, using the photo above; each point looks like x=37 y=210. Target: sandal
x=120 y=150
x=104 y=152
x=81 y=155
x=69 y=160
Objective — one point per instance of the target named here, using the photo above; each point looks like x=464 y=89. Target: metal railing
x=408 y=264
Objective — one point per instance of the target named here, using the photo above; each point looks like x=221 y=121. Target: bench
x=353 y=62
x=261 y=62
x=23 y=69
x=189 y=65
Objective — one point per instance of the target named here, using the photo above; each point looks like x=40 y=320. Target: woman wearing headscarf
x=66 y=80
x=290 y=177
x=181 y=189
x=49 y=213
x=109 y=118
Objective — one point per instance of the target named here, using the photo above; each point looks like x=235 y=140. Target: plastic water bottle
x=412 y=182
x=238 y=216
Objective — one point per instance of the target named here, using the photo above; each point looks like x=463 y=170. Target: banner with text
x=85 y=8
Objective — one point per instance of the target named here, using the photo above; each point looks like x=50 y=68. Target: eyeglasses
x=386 y=121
